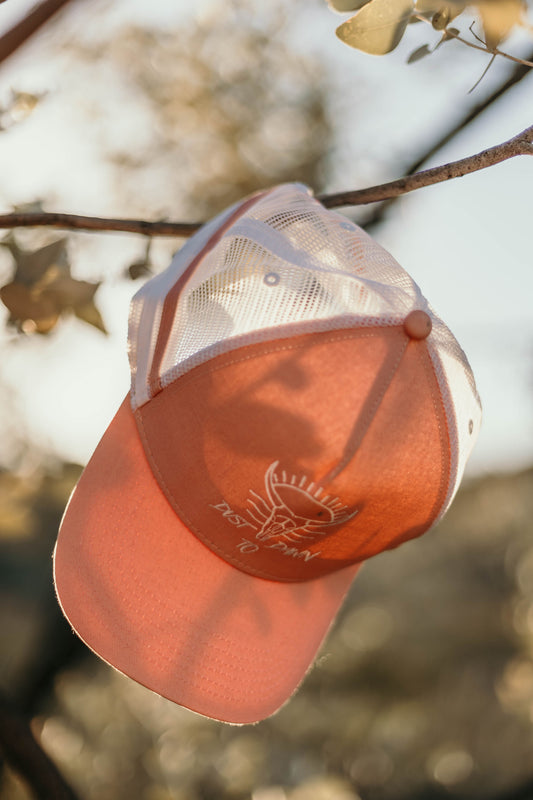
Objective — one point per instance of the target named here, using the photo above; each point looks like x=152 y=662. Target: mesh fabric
x=285 y=264
x=287 y=260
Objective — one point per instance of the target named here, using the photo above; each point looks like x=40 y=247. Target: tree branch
x=522 y=144
x=75 y=222
x=22 y=31
x=519 y=145
x=451 y=34
x=376 y=216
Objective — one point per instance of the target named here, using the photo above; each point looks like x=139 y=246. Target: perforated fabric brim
x=156 y=604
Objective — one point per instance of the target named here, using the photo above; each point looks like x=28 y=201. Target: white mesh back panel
x=462 y=403
x=285 y=261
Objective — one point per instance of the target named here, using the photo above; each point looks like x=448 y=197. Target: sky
x=466 y=242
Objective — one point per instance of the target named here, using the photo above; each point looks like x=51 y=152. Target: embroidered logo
x=295 y=510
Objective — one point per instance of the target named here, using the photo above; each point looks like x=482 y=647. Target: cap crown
x=274 y=267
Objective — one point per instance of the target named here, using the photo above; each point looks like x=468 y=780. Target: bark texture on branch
x=377 y=214
x=522 y=144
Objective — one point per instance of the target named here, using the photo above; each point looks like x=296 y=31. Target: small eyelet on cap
x=417 y=324
x=271 y=279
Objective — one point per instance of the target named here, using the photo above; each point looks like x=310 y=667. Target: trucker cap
x=296 y=407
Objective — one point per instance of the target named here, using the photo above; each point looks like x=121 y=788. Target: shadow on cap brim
x=154 y=602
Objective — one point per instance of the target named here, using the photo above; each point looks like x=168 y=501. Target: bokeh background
x=424 y=688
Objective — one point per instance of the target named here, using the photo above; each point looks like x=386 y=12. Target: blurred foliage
x=224 y=106
x=228 y=107
x=423 y=691
x=425 y=687
x=17 y=107
x=379 y=25
x=30 y=509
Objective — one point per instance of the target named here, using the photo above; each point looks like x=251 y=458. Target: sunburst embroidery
x=296 y=509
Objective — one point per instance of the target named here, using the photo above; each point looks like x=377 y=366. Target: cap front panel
x=294 y=458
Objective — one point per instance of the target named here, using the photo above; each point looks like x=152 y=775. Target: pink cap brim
x=154 y=602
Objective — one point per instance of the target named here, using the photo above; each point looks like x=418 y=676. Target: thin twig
x=492 y=51
x=76 y=222
x=451 y=34
x=26 y=757
x=522 y=144
x=489 y=65
x=378 y=212
x=21 y=31
x=474 y=34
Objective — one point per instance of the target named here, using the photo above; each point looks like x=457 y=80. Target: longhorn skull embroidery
x=294 y=511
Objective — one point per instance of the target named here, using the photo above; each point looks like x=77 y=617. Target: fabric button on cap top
x=269 y=444
x=417 y=325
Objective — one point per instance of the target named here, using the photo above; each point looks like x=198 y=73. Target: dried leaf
x=346 y=5
x=378 y=27
x=418 y=54
x=43 y=289
x=447 y=34
x=68 y=292
x=139 y=269
x=22 y=104
x=143 y=267
x=498 y=18
x=31 y=207
x=19 y=106
x=90 y=314
x=24 y=306
x=440 y=19
x=32 y=266
x=77 y=296
x=431 y=7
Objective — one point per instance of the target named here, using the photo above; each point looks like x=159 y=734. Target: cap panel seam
x=156 y=659
x=171 y=301
x=424 y=357
x=452 y=427
x=266 y=655
x=186 y=620
x=184 y=517
x=194 y=529
x=334 y=336
x=366 y=421
x=276 y=333
x=206 y=540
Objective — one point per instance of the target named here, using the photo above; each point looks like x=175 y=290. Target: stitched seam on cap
x=156 y=659
x=333 y=337
x=193 y=528
x=176 y=506
x=440 y=414
x=367 y=420
x=285 y=331
x=194 y=623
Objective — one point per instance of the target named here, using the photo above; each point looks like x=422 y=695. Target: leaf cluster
x=225 y=104
x=378 y=26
